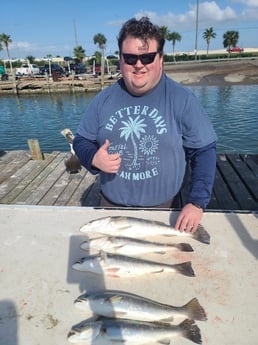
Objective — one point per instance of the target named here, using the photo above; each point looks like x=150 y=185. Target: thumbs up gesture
x=102 y=160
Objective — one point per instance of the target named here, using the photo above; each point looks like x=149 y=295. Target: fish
x=127 y=246
x=127 y=332
x=120 y=304
x=117 y=265
x=139 y=228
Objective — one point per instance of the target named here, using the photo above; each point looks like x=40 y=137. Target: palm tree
x=79 y=53
x=6 y=40
x=174 y=36
x=101 y=40
x=230 y=39
x=165 y=31
x=30 y=58
x=133 y=128
x=208 y=34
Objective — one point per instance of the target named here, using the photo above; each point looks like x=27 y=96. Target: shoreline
x=236 y=72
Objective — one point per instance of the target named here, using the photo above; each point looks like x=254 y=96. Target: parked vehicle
x=97 y=69
x=3 y=74
x=54 y=68
x=77 y=68
x=27 y=69
x=235 y=50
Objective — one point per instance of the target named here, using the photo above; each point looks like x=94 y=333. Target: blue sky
x=39 y=28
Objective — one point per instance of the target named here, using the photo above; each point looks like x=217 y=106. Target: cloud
x=23 y=49
x=210 y=14
x=247 y=3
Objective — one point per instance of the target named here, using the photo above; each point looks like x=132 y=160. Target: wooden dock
x=24 y=181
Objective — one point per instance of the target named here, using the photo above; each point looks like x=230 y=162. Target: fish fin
x=195 y=310
x=164 y=341
x=191 y=331
x=184 y=247
x=185 y=268
x=202 y=235
x=113 y=239
x=115 y=298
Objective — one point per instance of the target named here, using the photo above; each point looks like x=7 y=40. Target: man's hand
x=102 y=160
x=189 y=218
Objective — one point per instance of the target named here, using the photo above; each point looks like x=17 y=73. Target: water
x=233 y=111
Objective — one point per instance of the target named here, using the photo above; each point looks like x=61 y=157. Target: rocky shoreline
x=236 y=72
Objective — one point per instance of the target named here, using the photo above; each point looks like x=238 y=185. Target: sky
x=40 y=28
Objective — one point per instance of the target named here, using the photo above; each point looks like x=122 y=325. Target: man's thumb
x=105 y=146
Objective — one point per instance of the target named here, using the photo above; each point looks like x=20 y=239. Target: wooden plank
x=15 y=184
x=14 y=162
x=82 y=191
x=74 y=181
x=47 y=183
x=35 y=150
x=8 y=156
x=245 y=174
x=236 y=186
x=57 y=184
x=213 y=204
x=93 y=196
x=10 y=187
x=34 y=185
x=44 y=188
x=222 y=193
x=252 y=162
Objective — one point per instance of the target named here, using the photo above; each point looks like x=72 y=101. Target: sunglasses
x=146 y=59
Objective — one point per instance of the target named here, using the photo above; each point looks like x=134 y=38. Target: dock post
x=35 y=150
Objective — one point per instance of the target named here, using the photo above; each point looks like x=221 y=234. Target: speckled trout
x=132 y=246
x=119 y=304
x=116 y=265
x=128 y=332
x=139 y=228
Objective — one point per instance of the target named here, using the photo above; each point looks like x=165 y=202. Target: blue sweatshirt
x=155 y=135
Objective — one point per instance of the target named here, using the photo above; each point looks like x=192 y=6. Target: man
x=139 y=133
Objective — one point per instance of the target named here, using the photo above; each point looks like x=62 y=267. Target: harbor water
x=233 y=111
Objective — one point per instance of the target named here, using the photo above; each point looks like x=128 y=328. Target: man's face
x=140 y=78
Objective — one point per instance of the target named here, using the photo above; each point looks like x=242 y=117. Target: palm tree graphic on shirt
x=133 y=128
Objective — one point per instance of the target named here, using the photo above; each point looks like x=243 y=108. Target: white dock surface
x=38 y=285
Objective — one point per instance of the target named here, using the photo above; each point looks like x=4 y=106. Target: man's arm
x=203 y=166
x=85 y=151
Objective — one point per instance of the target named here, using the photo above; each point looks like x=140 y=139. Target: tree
x=208 y=34
x=30 y=58
x=174 y=36
x=164 y=30
x=230 y=39
x=133 y=128
x=101 y=40
x=6 y=40
x=79 y=53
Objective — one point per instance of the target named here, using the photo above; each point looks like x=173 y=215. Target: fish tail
x=195 y=310
x=202 y=235
x=191 y=331
x=185 y=268
x=184 y=247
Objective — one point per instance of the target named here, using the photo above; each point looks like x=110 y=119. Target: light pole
x=196 y=29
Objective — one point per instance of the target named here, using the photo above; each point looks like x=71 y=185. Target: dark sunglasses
x=146 y=59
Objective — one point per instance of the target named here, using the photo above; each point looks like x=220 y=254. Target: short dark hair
x=142 y=29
